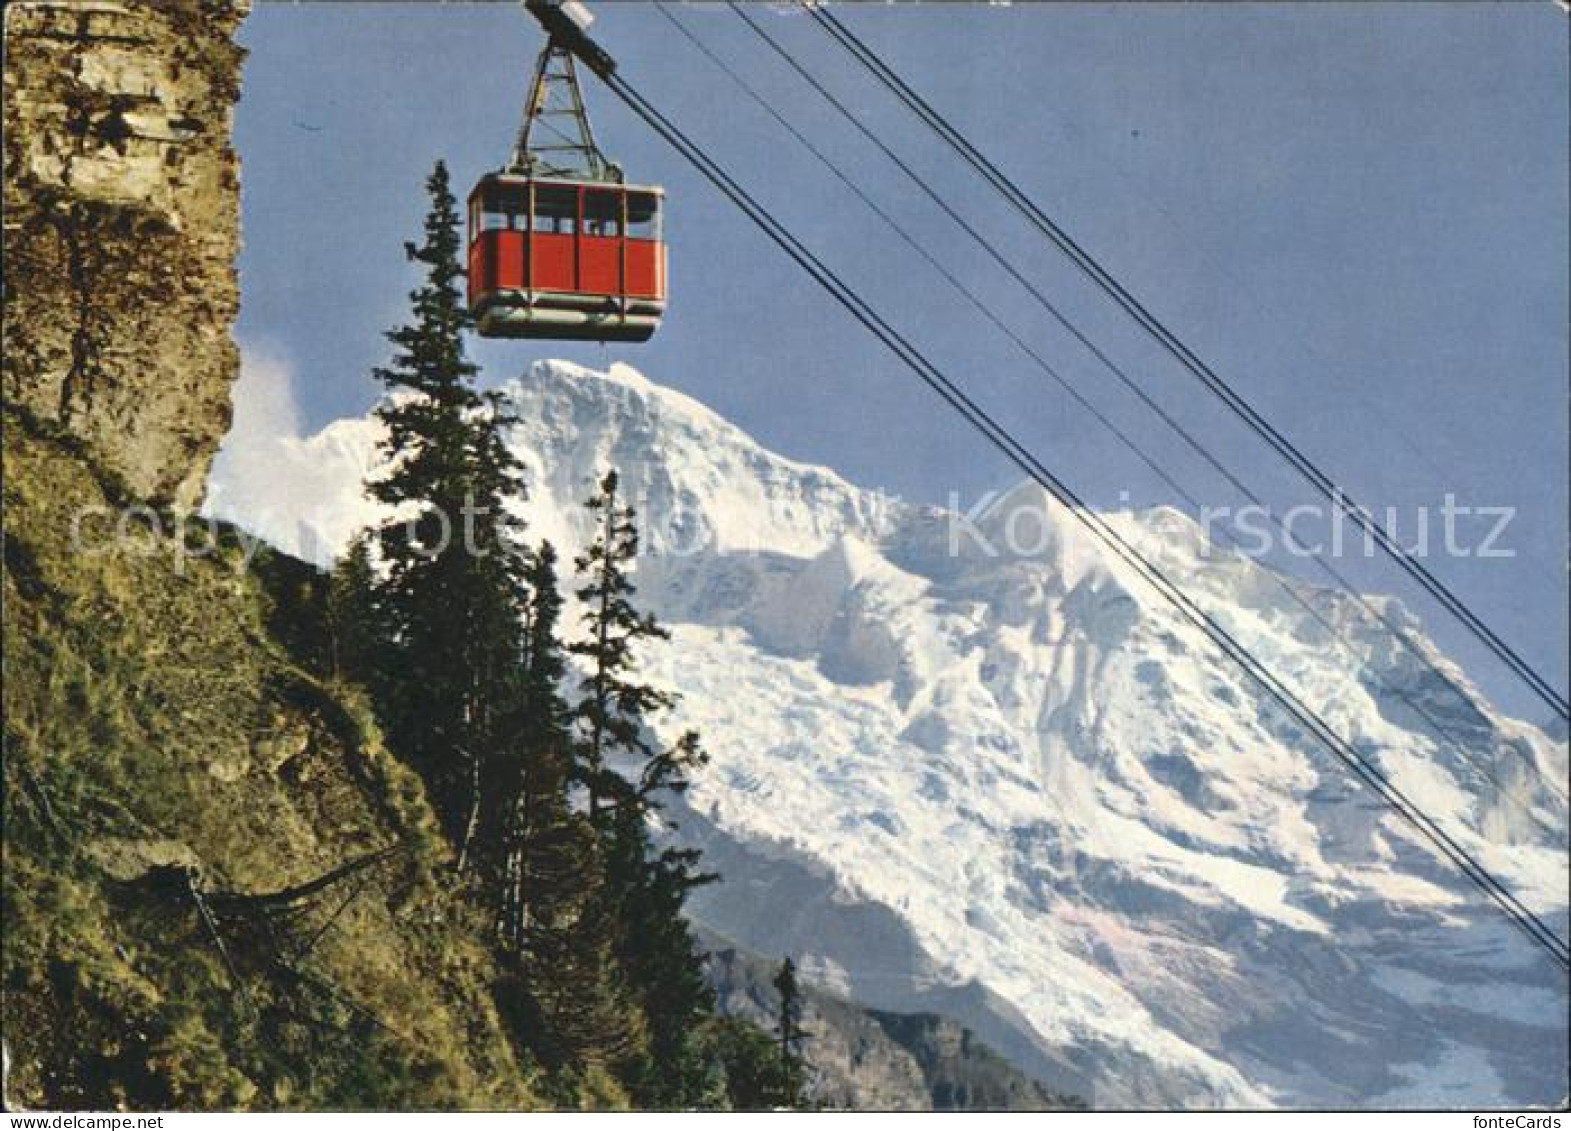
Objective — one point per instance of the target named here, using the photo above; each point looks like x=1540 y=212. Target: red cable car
x=556 y=258
x=559 y=246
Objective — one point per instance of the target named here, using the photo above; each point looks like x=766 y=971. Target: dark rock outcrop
x=185 y=777
x=122 y=198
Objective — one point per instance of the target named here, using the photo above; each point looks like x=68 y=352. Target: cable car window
x=602 y=213
x=643 y=216
x=556 y=209
x=498 y=206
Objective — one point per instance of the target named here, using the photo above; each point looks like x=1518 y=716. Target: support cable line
x=1524 y=918
x=1307 y=468
x=1339 y=578
x=1441 y=730
x=915 y=245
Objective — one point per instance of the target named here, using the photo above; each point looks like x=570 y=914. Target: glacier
x=1017 y=788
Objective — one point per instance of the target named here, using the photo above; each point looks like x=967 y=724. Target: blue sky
x=1356 y=213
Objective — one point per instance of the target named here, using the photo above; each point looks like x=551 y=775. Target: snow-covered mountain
x=974 y=765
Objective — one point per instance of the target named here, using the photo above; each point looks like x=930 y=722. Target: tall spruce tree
x=664 y=966
x=614 y=705
x=451 y=584
x=528 y=810
x=646 y=889
x=588 y=915
x=356 y=640
x=789 y=1033
x=556 y=923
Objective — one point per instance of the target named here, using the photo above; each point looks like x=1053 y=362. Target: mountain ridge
x=871 y=1060
x=1038 y=783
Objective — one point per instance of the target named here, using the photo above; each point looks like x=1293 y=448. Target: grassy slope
x=157 y=716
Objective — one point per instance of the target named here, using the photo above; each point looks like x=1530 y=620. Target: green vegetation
x=223 y=888
x=547 y=804
x=170 y=721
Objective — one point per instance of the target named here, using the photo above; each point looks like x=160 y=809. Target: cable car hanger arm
x=567 y=22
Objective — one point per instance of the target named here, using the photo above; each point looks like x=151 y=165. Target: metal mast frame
x=556 y=108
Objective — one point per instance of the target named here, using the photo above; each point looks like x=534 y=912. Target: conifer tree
x=451 y=584
x=612 y=710
x=580 y=1011
x=531 y=814
x=355 y=637
x=789 y=1033
x=749 y=1061
x=556 y=923
x=544 y=664
x=664 y=966
x=645 y=889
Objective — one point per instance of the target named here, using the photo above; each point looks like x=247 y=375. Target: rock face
x=121 y=229
x=172 y=734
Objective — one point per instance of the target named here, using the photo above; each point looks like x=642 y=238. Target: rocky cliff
x=219 y=889
x=184 y=780
x=121 y=228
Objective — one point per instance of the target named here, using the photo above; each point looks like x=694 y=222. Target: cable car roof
x=504 y=177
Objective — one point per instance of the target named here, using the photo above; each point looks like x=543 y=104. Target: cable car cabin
x=557 y=258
